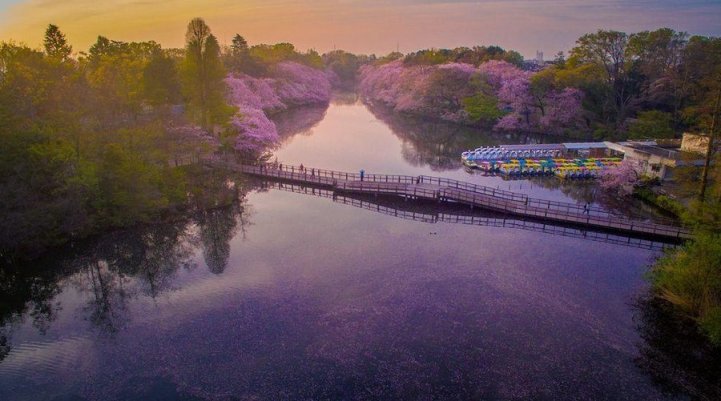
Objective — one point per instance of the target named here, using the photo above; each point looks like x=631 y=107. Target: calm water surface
x=289 y=296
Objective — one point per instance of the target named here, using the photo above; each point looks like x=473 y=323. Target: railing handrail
x=548 y=213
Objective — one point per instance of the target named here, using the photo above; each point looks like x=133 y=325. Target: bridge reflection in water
x=433 y=212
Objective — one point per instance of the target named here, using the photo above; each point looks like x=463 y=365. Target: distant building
x=694 y=143
x=658 y=158
x=539 y=57
x=536 y=64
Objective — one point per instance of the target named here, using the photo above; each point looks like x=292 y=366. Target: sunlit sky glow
x=371 y=26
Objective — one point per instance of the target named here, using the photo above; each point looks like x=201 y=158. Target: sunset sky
x=371 y=26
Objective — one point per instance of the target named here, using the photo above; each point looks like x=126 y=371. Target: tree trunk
x=709 y=150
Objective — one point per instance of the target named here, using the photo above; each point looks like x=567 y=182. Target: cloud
x=369 y=26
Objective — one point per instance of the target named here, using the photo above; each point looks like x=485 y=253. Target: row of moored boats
x=537 y=162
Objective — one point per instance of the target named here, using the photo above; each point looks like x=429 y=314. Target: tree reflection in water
x=117 y=267
x=220 y=216
x=28 y=290
x=217 y=227
x=298 y=121
x=4 y=345
x=345 y=98
x=143 y=260
x=126 y=264
x=439 y=144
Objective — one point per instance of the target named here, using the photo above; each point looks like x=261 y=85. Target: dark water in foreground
x=286 y=296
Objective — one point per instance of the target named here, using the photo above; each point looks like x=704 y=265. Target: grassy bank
x=690 y=279
x=662 y=202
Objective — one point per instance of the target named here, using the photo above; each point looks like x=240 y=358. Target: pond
x=286 y=293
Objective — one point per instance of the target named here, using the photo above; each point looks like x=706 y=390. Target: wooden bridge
x=451 y=213
x=448 y=190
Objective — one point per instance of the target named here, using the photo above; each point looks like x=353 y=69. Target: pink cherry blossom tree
x=498 y=72
x=563 y=109
x=290 y=85
x=382 y=83
x=515 y=96
x=297 y=84
x=256 y=131
x=622 y=178
x=258 y=93
x=441 y=91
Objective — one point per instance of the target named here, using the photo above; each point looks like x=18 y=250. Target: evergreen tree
x=56 y=46
x=203 y=75
x=239 y=45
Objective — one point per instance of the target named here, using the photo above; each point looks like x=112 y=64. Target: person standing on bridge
x=362 y=173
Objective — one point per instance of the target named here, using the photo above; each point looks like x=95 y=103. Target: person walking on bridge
x=362 y=173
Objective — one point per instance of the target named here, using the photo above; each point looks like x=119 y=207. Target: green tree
x=55 y=44
x=658 y=57
x=482 y=107
x=607 y=50
x=118 y=82
x=129 y=187
x=702 y=65
x=239 y=45
x=41 y=202
x=203 y=75
x=102 y=47
x=160 y=80
x=237 y=58
x=651 y=124
x=345 y=65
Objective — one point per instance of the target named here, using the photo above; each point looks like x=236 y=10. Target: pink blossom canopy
x=291 y=85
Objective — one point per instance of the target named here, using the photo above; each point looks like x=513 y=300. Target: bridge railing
x=447 y=182
x=313 y=174
x=573 y=216
x=333 y=174
x=571 y=208
x=398 y=188
x=464 y=192
x=514 y=196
